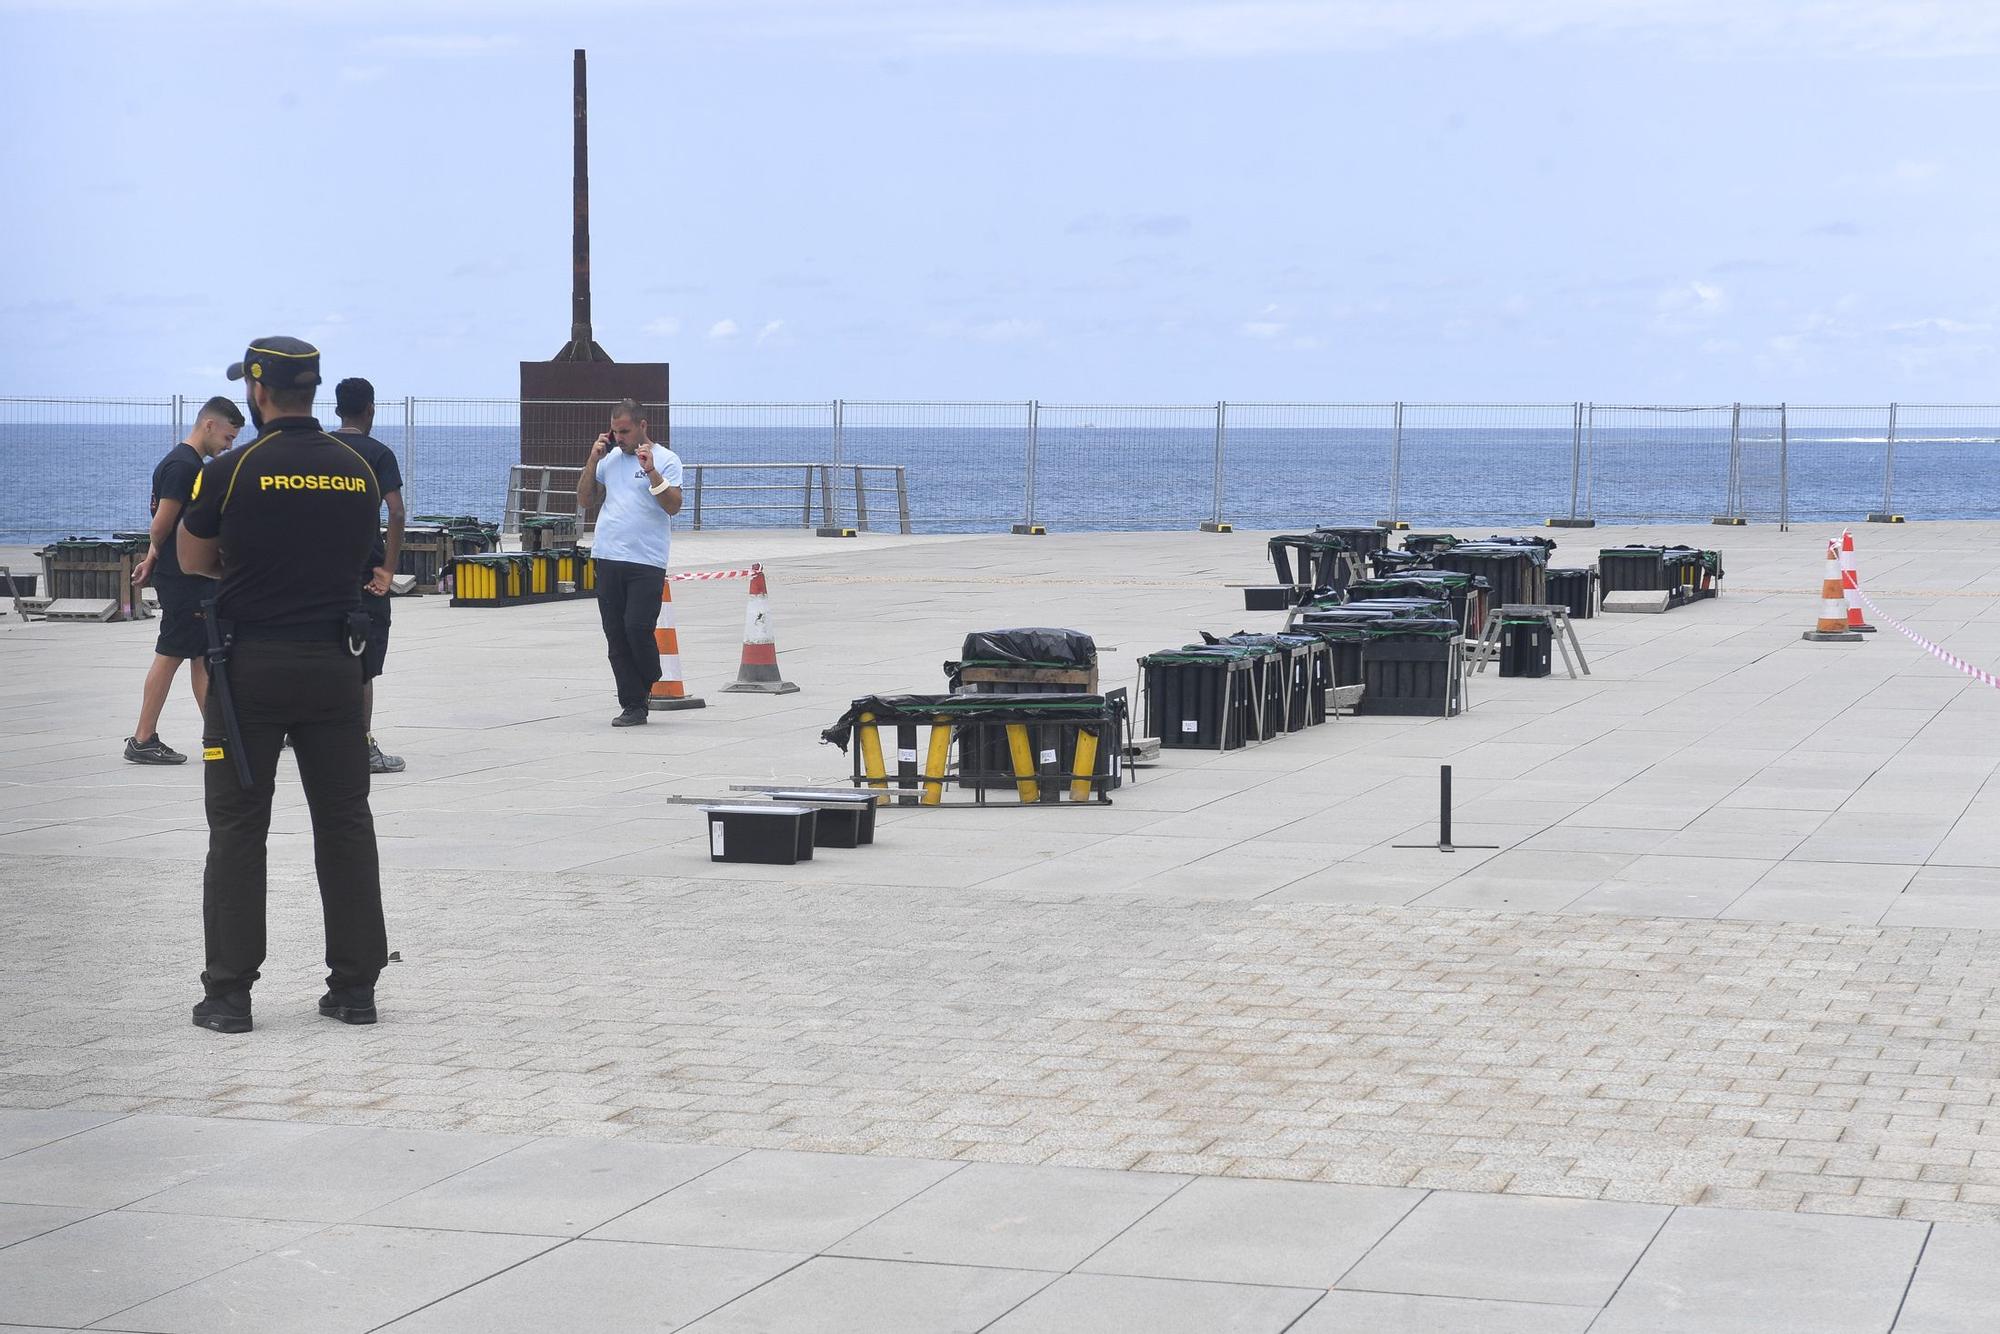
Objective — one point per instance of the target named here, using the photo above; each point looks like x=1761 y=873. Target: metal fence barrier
x=814 y=493
x=82 y=465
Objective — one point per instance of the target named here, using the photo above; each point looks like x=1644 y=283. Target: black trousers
x=312 y=692
x=628 y=602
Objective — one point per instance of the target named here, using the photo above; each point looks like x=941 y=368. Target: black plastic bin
x=1410 y=669
x=765 y=833
x=1525 y=643
x=1428 y=544
x=1344 y=640
x=1303 y=670
x=1202 y=698
x=1574 y=590
x=1363 y=542
x=1513 y=573
x=1467 y=593
x=1384 y=563
x=1629 y=569
x=1314 y=560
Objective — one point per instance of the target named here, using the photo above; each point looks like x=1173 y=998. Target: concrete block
x=1651 y=601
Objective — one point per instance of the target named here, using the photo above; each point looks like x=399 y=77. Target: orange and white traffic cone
x=669 y=692
x=1832 y=627
x=759 y=671
x=1850 y=585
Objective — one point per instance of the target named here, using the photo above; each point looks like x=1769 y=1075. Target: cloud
x=663 y=326
x=1838 y=229
x=723 y=329
x=1688 y=304
x=773 y=332
x=1154 y=225
x=1939 y=324
x=1262 y=328
x=442 y=45
x=1211 y=29
x=1913 y=173
x=1009 y=330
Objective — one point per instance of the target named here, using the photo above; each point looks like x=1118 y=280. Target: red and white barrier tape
x=715 y=574
x=1976 y=673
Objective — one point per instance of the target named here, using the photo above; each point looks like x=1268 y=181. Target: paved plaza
x=1709 y=1040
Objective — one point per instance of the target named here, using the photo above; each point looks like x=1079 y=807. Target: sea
x=92 y=479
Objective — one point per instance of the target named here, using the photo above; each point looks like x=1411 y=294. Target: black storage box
x=1575 y=591
x=1410 y=668
x=1201 y=699
x=1524 y=646
x=1514 y=573
x=766 y=833
x=841 y=816
x=1273 y=597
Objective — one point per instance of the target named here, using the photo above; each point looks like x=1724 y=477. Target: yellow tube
x=936 y=761
x=871 y=756
x=1024 y=762
x=1086 y=764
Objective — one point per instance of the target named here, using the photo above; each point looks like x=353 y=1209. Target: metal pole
x=1590 y=455
x=1784 y=470
x=1575 y=454
x=1396 y=469
x=1889 y=468
x=1027 y=524
x=180 y=432
x=1733 y=508
x=410 y=455
x=1444 y=805
x=833 y=518
x=1221 y=436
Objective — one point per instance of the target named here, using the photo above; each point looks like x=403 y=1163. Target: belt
x=309 y=632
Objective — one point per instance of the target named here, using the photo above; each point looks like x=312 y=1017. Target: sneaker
x=378 y=763
x=631 y=718
x=227 y=1013
x=152 y=751
x=350 y=1005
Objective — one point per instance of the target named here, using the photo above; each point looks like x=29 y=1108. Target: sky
x=1674 y=201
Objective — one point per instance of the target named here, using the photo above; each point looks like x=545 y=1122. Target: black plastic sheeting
x=1036 y=646
x=983 y=708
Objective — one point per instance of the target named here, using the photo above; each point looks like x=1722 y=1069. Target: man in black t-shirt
x=182 y=636
x=288 y=523
x=354 y=400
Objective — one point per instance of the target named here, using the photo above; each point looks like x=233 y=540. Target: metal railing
x=781 y=488
x=78 y=465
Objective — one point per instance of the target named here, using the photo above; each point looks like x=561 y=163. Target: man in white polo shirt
x=639 y=483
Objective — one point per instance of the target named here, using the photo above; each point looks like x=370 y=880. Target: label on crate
x=715 y=838
x=906 y=756
x=1048 y=757
x=1190 y=725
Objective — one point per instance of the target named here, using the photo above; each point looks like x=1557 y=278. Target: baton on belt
x=218 y=681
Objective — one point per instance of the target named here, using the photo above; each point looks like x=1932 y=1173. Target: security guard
x=287 y=522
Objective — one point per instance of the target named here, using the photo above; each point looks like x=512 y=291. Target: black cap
x=279 y=363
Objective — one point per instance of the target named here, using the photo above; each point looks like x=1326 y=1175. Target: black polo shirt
x=388 y=476
x=173 y=479
x=296 y=511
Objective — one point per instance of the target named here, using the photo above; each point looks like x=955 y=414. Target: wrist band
x=661 y=487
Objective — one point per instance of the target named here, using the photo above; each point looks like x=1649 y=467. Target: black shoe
x=152 y=751
x=631 y=718
x=227 y=1013
x=350 y=1005
x=378 y=763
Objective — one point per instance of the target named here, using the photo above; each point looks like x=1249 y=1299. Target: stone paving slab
x=1128 y=1251
x=1735 y=944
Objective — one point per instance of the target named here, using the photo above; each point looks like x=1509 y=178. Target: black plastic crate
x=1200 y=699
x=1410 y=668
x=1575 y=591
x=1525 y=645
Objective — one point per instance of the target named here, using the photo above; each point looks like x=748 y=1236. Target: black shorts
x=378 y=635
x=183 y=631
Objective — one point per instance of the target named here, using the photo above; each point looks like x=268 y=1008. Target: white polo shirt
x=631 y=526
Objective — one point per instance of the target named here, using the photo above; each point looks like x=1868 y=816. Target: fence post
x=1732 y=503
x=410 y=455
x=1784 y=469
x=902 y=502
x=1575 y=471
x=180 y=431
x=1888 y=512
x=697 y=500
x=1395 y=519
x=1215 y=523
x=830 y=524
x=1590 y=460
x=1028 y=526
